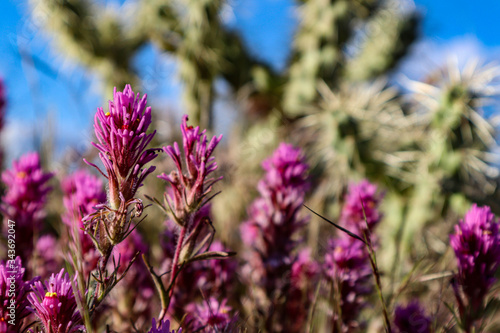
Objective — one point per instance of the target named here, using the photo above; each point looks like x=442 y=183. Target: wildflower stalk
x=476 y=244
x=122 y=139
x=186 y=201
x=348 y=261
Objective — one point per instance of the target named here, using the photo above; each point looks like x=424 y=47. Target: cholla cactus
x=25 y=199
x=108 y=43
x=122 y=137
x=455 y=150
x=199 y=55
x=55 y=306
x=411 y=319
x=476 y=243
x=328 y=49
x=12 y=273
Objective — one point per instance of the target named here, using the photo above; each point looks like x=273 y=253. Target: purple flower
x=188 y=195
x=24 y=199
x=411 y=319
x=272 y=232
x=215 y=275
x=122 y=137
x=82 y=192
x=347 y=264
x=210 y=316
x=274 y=221
x=162 y=327
x=190 y=184
x=12 y=274
x=55 y=305
x=122 y=141
x=48 y=258
x=361 y=202
x=303 y=275
x=476 y=243
x=304 y=269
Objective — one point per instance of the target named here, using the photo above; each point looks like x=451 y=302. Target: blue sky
x=68 y=95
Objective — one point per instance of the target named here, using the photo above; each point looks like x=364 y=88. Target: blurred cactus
x=456 y=153
x=329 y=32
x=96 y=37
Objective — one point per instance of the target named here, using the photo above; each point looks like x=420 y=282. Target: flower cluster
x=272 y=233
x=304 y=271
x=347 y=261
x=12 y=273
x=55 y=305
x=25 y=198
x=122 y=139
x=347 y=265
x=210 y=316
x=411 y=319
x=82 y=192
x=190 y=183
x=476 y=243
x=188 y=195
x=48 y=256
x=274 y=221
x=360 y=211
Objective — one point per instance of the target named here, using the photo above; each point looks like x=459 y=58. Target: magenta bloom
x=210 y=316
x=476 y=243
x=411 y=319
x=24 y=199
x=303 y=276
x=361 y=201
x=82 y=193
x=304 y=269
x=273 y=233
x=347 y=264
x=190 y=183
x=215 y=276
x=54 y=304
x=49 y=258
x=162 y=327
x=12 y=273
x=122 y=137
x=274 y=221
